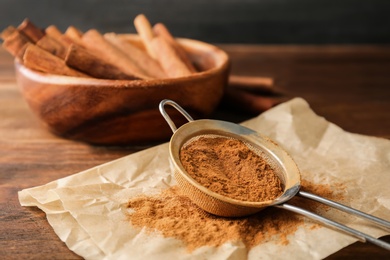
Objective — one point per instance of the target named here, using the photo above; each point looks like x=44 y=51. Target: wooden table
x=348 y=85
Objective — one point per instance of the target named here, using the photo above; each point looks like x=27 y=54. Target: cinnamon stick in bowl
x=53 y=31
x=172 y=64
x=160 y=29
x=83 y=60
x=161 y=49
x=30 y=30
x=150 y=66
x=7 y=32
x=15 y=43
x=94 y=41
x=144 y=30
x=52 y=45
x=40 y=60
x=56 y=34
x=75 y=35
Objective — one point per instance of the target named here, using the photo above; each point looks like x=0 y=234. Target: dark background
x=219 y=21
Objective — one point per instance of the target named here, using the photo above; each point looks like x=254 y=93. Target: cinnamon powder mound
x=172 y=214
x=229 y=167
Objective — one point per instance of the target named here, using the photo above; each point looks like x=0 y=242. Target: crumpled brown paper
x=87 y=210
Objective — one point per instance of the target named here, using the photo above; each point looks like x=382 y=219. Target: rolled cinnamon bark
x=53 y=46
x=145 y=31
x=166 y=55
x=239 y=99
x=160 y=29
x=83 y=60
x=15 y=43
x=95 y=42
x=75 y=35
x=138 y=56
x=38 y=59
x=53 y=31
x=56 y=34
x=7 y=32
x=31 y=30
x=254 y=84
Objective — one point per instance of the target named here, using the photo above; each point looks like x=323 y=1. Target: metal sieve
x=273 y=153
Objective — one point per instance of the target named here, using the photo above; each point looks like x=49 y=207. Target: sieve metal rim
x=208 y=126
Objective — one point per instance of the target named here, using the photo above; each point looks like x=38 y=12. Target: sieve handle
x=331 y=203
x=335 y=225
x=178 y=108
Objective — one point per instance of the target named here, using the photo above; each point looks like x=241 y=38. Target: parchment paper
x=87 y=209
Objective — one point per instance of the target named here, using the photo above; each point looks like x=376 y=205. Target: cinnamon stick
x=83 y=60
x=30 y=30
x=15 y=43
x=161 y=30
x=38 y=59
x=239 y=99
x=138 y=56
x=53 y=46
x=75 y=35
x=145 y=31
x=7 y=32
x=53 y=31
x=254 y=84
x=56 y=34
x=168 y=58
x=94 y=41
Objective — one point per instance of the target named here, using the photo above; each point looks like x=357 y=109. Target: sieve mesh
x=275 y=165
x=221 y=205
x=210 y=203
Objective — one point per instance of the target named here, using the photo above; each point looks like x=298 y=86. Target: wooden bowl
x=124 y=112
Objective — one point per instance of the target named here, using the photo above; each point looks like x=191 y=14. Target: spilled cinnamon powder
x=229 y=167
x=173 y=215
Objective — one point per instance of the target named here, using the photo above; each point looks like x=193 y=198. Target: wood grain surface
x=348 y=85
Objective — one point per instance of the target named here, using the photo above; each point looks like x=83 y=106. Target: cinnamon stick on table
x=138 y=56
x=83 y=60
x=38 y=59
x=252 y=83
x=95 y=42
x=246 y=101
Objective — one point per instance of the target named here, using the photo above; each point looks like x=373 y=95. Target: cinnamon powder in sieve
x=172 y=214
x=229 y=167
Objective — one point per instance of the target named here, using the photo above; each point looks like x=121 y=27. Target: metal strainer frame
x=287 y=170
